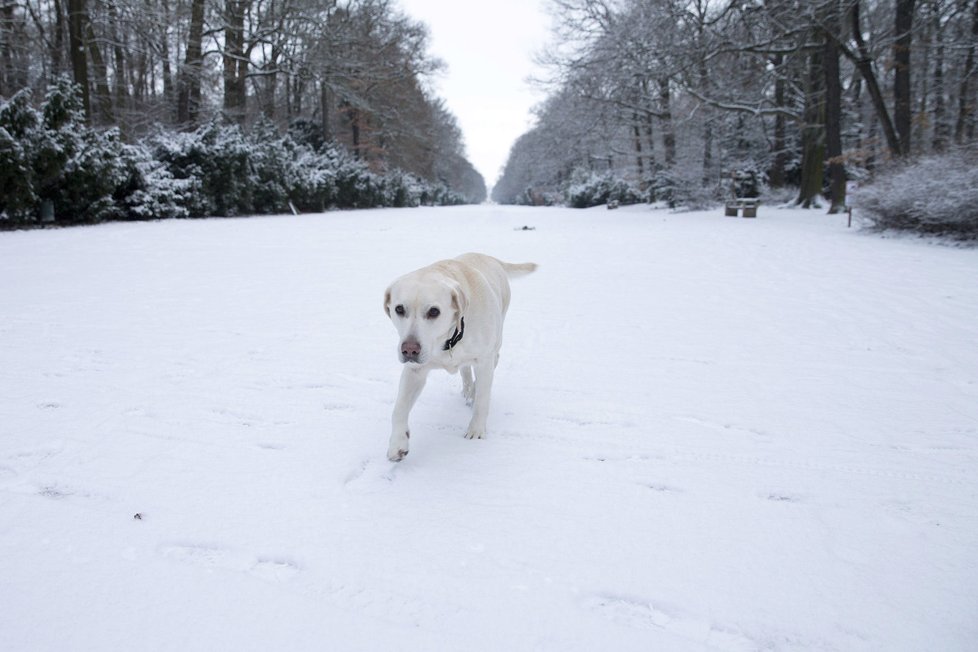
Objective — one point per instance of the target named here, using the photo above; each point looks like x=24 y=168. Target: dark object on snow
x=748 y=206
x=138 y=516
x=613 y=204
x=745 y=184
x=525 y=228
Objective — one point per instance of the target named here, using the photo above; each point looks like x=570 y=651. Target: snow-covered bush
x=216 y=161
x=438 y=194
x=589 y=189
x=50 y=155
x=937 y=195
x=537 y=197
x=402 y=190
x=150 y=191
x=17 y=197
x=682 y=187
x=356 y=185
x=311 y=177
x=270 y=158
x=95 y=169
x=662 y=187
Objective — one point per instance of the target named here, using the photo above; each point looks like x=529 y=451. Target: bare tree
x=191 y=71
x=77 y=22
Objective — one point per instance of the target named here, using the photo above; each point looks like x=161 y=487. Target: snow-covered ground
x=706 y=433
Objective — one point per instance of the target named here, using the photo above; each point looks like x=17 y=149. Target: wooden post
x=851 y=188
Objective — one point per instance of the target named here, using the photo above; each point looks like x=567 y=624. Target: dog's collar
x=456 y=337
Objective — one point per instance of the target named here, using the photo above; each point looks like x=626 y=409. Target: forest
x=679 y=100
x=143 y=109
x=184 y=107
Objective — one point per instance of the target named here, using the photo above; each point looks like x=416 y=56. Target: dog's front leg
x=468 y=384
x=484 y=371
x=412 y=382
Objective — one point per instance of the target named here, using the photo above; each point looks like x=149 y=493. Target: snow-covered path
x=706 y=433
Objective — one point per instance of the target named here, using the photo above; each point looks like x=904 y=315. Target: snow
x=706 y=433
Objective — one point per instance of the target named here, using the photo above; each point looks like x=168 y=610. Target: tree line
x=353 y=72
x=675 y=97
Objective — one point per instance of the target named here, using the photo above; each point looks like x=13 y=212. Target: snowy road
x=706 y=433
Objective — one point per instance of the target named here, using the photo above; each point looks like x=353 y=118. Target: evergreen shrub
x=937 y=195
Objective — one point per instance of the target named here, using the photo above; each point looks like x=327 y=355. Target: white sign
x=851 y=188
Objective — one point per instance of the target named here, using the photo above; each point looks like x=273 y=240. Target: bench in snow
x=747 y=205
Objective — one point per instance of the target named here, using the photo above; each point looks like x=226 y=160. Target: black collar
x=457 y=337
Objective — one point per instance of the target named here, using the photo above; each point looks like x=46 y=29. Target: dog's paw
x=398 y=448
x=475 y=434
x=397 y=456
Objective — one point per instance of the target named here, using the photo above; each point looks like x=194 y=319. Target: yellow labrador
x=449 y=316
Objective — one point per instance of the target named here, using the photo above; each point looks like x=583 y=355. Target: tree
x=77 y=21
x=800 y=89
x=964 y=129
x=189 y=75
x=902 y=90
x=833 y=109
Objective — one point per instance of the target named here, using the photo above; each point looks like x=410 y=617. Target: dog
x=449 y=315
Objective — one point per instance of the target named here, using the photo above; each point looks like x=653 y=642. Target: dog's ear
x=387 y=302
x=459 y=301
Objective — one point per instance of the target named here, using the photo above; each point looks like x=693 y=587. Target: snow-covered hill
x=706 y=433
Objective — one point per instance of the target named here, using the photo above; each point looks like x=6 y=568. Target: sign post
x=851 y=187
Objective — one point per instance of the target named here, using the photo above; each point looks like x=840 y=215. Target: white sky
x=489 y=49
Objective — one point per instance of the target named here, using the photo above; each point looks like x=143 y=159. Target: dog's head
x=426 y=309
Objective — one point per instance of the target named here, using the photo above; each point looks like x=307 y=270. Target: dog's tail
x=519 y=269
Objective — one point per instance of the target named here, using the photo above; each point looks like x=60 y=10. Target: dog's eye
x=433 y=313
x=399 y=310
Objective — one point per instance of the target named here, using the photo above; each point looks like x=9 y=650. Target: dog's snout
x=410 y=350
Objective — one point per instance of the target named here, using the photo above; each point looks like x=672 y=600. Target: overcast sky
x=489 y=48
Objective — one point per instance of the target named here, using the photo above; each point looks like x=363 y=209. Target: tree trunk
x=865 y=64
x=324 y=107
x=668 y=129
x=120 y=91
x=776 y=175
x=235 y=64
x=188 y=79
x=271 y=84
x=902 y=90
x=58 y=41
x=103 y=95
x=966 y=105
x=650 y=143
x=6 y=51
x=355 y=132
x=76 y=44
x=942 y=129
x=813 y=136
x=833 y=115
x=165 y=54
x=637 y=134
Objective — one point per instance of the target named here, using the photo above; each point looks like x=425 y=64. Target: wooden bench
x=747 y=205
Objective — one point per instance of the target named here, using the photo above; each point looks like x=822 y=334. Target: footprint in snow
x=782 y=497
x=370 y=473
x=660 y=488
x=270 y=569
x=652 y=615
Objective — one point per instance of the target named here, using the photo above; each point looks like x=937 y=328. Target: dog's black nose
x=410 y=350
